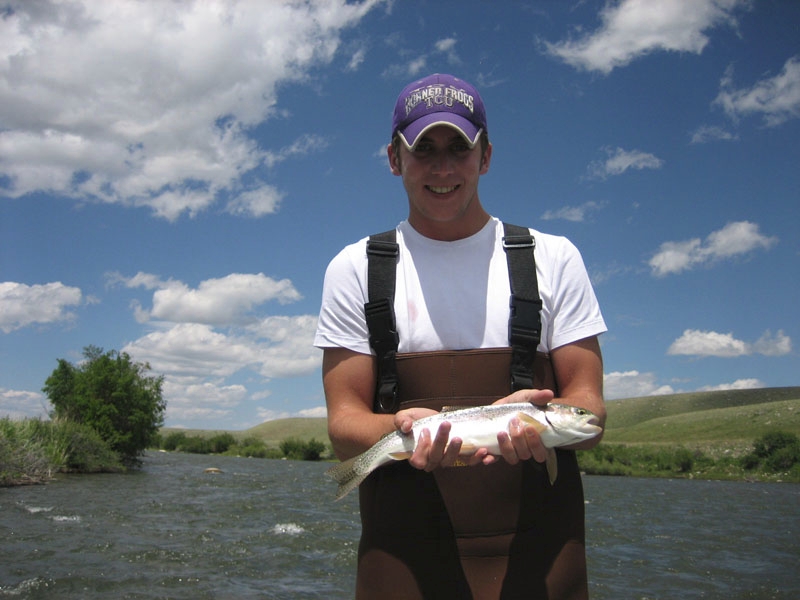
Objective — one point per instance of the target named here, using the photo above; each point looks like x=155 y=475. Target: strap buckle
x=381 y=248
x=515 y=242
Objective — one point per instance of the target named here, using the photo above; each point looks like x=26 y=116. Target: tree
x=113 y=395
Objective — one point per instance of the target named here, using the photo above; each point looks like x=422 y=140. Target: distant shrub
x=221 y=442
x=195 y=445
x=775 y=451
x=173 y=441
x=297 y=449
x=619 y=459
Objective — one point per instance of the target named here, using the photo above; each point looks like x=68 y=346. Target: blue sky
x=175 y=177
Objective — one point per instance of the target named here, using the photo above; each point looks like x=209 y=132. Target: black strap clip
x=384 y=340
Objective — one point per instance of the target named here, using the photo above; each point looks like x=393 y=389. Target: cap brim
x=416 y=130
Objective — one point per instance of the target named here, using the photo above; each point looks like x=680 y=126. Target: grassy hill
x=731 y=418
x=696 y=419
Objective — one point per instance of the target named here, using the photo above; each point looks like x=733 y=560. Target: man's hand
x=439 y=451
x=522 y=442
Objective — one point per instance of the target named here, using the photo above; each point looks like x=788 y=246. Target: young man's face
x=441 y=179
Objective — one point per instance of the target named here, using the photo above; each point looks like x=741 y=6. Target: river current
x=270 y=529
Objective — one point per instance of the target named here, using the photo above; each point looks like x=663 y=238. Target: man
x=429 y=530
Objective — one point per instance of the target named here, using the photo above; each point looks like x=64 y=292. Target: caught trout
x=557 y=425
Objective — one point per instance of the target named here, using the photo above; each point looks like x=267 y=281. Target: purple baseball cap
x=438 y=100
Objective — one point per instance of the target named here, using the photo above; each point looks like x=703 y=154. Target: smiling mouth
x=442 y=190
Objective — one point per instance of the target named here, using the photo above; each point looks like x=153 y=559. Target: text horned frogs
x=438 y=95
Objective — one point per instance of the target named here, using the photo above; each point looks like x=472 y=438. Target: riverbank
x=749 y=435
x=32 y=451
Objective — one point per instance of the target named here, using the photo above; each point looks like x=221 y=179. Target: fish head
x=570 y=424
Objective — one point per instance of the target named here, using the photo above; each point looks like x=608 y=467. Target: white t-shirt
x=455 y=295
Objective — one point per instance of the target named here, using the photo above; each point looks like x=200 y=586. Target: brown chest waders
x=485 y=532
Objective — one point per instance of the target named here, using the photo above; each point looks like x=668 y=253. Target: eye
x=423 y=147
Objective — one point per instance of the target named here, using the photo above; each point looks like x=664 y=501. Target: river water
x=269 y=529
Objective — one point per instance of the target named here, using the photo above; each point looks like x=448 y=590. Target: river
x=270 y=529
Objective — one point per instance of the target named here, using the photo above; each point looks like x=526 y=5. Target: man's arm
x=349 y=381
x=579 y=372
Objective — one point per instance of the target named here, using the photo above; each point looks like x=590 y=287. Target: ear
x=394 y=160
x=486 y=159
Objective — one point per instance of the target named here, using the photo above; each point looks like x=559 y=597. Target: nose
x=442 y=163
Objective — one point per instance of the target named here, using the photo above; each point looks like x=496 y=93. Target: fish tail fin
x=348 y=474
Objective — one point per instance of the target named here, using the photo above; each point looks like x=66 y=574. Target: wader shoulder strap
x=382 y=253
x=525 y=321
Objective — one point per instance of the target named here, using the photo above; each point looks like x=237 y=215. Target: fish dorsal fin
x=450 y=408
x=529 y=420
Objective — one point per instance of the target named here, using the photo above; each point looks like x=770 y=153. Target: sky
x=176 y=176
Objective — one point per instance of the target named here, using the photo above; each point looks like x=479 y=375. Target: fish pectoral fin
x=400 y=455
x=468 y=449
x=529 y=420
x=552 y=465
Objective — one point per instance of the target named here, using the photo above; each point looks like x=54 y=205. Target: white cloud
x=288 y=349
x=22 y=305
x=776 y=98
x=739 y=384
x=769 y=345
x=712 y=133
x=150 y=104
x=632 y=384
x=447 y=46
x=266 y=414
x=263 y=200
x=196 y=360
x=416 y=64
x=634 y=28
x=193 y=349
x=21 y=404
x=193 y=400
x=620 y=160
x=694 y=342
x=572 y=213
x=735 y=239
x=224 y=301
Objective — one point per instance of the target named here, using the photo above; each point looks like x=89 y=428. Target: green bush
x=297 y=449
x=195 y=445
x=173 y=441
x=775 y=451
x=221 y=442
x=113 y=395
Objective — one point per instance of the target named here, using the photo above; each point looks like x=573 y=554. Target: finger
x=534 y=443
x=479 y=457
x=507 y=450
x=519 y=439
x=538 y=397
x=451 y=454
x=419 y=458
x=439 y=446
